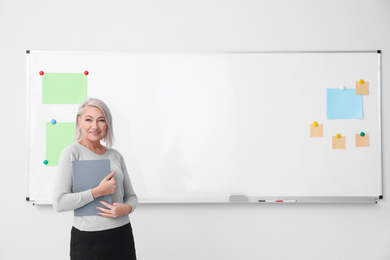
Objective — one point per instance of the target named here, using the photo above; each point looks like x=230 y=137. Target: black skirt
x=115 y=244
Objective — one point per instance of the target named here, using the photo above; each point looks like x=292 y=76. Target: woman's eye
x=102 y=120
x=88 y=120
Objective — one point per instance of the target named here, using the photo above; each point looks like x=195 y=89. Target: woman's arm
x=129 y=197
x=63 y=198
x=106 y=187
x=130 y=200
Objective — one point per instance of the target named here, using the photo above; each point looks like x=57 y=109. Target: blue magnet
x=45 y=162
x=53 y=121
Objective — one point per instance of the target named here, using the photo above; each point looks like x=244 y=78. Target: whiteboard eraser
x=238 y=198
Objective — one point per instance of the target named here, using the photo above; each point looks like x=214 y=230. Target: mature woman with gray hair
x=109 y=234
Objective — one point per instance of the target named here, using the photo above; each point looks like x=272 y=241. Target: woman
x=109 y=234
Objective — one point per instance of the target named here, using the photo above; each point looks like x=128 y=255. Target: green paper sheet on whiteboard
x=58 y=136
x=64 y=88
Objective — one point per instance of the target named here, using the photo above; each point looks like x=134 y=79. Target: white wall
x=190 y=231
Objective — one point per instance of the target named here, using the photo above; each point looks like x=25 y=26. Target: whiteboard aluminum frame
x=325 y=199
x=28 y=127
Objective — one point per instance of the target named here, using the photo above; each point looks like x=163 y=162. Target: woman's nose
x=95 y=125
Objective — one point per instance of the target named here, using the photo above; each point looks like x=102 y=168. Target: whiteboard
x=201 y=127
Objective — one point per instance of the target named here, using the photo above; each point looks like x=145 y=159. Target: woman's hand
x=115 y=210
x=106 y=187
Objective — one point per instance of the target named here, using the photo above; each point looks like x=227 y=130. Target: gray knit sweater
x=64 y=199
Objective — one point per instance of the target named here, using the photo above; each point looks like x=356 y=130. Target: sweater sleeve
x=129 y=196
x=63 y=198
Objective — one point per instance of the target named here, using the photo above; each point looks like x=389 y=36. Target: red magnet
x=86 y=73
x=41 y=73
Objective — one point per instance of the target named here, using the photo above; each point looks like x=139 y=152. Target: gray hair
x=93 y=102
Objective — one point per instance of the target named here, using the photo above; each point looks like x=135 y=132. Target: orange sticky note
x=316 y=131
x=362 y=141
x=338 y=143
x=361 y=88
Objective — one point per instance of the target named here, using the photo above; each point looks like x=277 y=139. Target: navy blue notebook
x=87 y=175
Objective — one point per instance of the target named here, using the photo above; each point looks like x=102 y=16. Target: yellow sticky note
x=316 y=131
x=362 y=88
x=338 y=143
x=362 y=141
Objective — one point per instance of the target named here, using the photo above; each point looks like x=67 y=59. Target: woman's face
x=93 y=124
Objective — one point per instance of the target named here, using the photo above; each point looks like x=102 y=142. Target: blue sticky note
x=344 y=104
